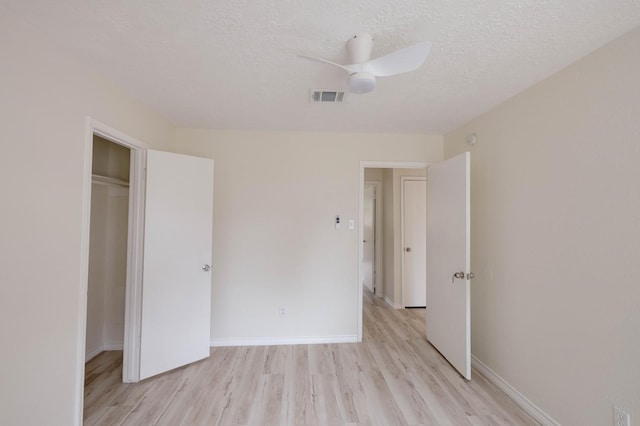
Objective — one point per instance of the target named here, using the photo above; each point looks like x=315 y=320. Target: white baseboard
x=528 y=406
x=113 y=346
x=93 y=353
x=389 y=302
x=274 y=341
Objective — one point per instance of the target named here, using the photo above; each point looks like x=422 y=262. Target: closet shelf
x=106 y=180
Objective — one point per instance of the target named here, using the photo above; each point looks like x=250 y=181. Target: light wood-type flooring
x=394 y=377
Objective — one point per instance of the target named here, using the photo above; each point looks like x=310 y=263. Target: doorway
x=107 y=247
x=388 y=241
x=133 y=263
x=372 y=238
x=448 y=256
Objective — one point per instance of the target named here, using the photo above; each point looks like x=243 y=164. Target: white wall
x=97 y=273
x=116 y=267
x=555 y=237
x=107 y=269
x=275 y=199
x=46 y=95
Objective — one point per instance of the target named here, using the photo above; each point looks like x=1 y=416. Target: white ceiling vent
x=331 y=96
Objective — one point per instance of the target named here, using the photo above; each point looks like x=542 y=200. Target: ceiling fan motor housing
x=359 y=47
x=361 y=82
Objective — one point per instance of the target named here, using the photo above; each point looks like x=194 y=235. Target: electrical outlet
x=282 y=312
x=620 y=418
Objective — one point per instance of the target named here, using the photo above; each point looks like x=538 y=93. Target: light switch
x=352 y=224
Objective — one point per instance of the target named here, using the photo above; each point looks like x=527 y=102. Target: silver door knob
x=408 y=249
x=458 y=275
x=206 y=268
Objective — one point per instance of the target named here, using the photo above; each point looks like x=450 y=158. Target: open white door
x=176 y=289
x=449 y=261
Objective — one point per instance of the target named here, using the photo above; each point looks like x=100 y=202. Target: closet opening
x=108 y=257
x=111 y=265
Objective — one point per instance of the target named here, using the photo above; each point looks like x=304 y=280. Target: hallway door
x=414 y=234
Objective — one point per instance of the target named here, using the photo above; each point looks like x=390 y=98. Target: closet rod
x=106 y=180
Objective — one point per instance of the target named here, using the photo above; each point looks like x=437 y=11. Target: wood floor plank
x=409 y=400
x=393 y=377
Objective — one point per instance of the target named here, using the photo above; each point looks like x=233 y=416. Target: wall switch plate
x=282 y=312
x=620 y=418
x=352 y=224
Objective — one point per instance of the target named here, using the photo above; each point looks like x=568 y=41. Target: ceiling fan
x=363 y=71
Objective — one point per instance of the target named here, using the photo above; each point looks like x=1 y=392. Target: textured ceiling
x=234 y=64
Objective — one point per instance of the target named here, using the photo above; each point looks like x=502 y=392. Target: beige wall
x=376 y=175
x=46 y=95
x=97 y=254
x=116 y=267
x=107 y=269
x=388 y=252
x=274 y=245
x=110 y=159
x=372 y=174
x=555 y=237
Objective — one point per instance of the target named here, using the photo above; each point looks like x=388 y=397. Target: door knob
x=408 y=249
x=459 y=275
x=206 y=268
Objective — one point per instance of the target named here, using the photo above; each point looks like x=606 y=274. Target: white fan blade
x=348 y=68
x=401 y=61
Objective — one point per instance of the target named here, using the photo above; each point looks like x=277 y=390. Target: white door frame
x=133 y=292
x=404 y=179
x=374 y=165
x=377 y=244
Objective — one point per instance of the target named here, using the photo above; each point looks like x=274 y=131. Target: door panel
x=414 y=287
x=448 y=252
x=176 y=291
x=368 y=223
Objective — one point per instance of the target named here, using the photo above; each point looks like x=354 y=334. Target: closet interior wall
x=108 y=247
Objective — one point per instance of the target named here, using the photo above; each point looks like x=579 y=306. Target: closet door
x=176 y=289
